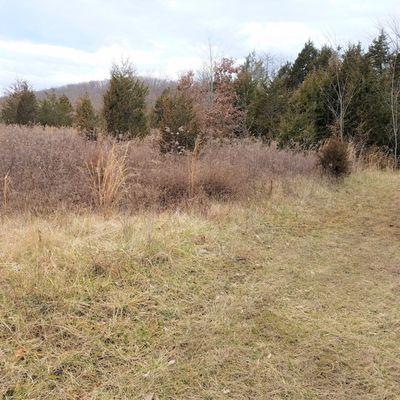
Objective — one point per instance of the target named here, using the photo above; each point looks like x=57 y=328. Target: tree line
x=350 y=93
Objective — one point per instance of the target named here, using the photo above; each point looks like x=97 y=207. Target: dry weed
x=52 y=169
x=107 y=171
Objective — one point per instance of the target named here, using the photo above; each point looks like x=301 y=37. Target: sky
x=55 y=42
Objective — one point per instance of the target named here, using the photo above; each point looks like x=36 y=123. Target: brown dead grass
x=107 y=172
x=292 y=296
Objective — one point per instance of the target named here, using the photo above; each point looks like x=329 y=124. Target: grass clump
x=107 y=173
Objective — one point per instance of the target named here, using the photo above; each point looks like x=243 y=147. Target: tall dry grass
x=107 y=172
x=50 y=169
x=362 y=157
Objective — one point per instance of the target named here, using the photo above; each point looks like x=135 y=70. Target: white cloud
x=280 y=36
x=53 y=42
x=51 y=65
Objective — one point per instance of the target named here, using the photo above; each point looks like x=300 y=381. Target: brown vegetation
x=334 y=157
x=49 y=169
x=290 y=296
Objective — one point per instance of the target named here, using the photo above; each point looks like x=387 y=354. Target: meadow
x=243 y=273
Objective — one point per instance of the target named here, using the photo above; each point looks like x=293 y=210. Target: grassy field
x=294 y=295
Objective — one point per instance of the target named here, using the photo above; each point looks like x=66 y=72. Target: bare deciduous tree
x=394 y=93
x=343 y=87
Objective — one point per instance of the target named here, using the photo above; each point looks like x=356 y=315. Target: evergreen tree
x=175 y=116
x=269 y=103
x=124 y=104
x=85 y=118
x=262 y=95
x=324 y=57
x=252 y=80
x=65 y=111
x=344 y=97
x=379 y=52
x=160 y=106
x=308 y=120
x=20 y=106
x=245 y=86
x=54 y=111
x=303 y=65
x=369 y=110
x=284 y=72
x=47 y=110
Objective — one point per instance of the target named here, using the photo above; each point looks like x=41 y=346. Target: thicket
x=47 y=169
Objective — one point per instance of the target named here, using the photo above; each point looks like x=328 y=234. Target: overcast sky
x=53 y=42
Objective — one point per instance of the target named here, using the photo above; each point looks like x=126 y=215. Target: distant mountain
x=96 y=89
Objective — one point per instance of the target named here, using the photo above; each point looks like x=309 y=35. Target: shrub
x=334 y=157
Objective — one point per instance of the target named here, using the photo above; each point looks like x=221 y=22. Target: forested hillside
x=96 y=90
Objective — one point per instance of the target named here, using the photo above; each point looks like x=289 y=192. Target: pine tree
x=54 y=111
x=85 y=118
x=379 y=52
x=261 y=96
x=253 y=78
x=124 y=104
x=65 y=111
x=161 y=104
x=20 y=105
x=308 y=119
x=47 y=110
x=265 y=110
x=324 y=57
x=303 y=65
x=370 y=113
